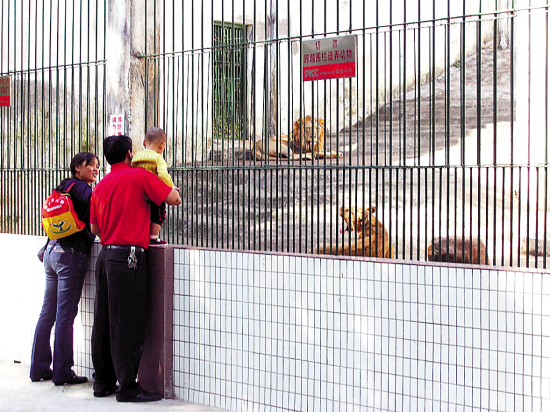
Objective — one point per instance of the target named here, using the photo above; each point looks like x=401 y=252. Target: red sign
x=329 y=58
x=329 y=71
x=5 y=91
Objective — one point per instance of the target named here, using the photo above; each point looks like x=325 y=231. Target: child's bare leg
x=155 y=230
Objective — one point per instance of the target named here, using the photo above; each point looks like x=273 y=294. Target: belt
x=123 y=247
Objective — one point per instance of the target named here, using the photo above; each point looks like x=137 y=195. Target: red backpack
x=58 y=215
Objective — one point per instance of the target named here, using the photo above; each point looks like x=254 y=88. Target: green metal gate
x=229 y=82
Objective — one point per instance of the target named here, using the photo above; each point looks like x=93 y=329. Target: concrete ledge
x=155 y=371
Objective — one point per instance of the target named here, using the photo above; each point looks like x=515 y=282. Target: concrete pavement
x=19 y=394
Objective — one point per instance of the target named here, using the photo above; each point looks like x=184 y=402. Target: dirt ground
x=431 y=162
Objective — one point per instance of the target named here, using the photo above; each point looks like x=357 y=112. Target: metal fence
x=54 y=55
x=444 y=128
x=436 y=130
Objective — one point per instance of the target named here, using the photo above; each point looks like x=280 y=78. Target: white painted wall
x=255 y=331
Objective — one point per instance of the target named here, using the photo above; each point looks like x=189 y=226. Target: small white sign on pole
x=116 y=124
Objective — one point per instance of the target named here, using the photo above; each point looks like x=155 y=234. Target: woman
x=65 y=264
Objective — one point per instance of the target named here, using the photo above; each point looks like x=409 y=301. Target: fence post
x=125 y=68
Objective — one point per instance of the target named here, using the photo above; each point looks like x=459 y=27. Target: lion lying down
x=307 y=142
x=458 y=250
x=372 y=238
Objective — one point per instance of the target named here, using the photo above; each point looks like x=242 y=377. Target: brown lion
x=458 y=250
x=372 y=238
x=307 y=142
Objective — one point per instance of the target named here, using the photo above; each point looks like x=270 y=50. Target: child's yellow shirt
x=154 y=162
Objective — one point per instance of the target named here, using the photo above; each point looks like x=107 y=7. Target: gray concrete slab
x=19 y=394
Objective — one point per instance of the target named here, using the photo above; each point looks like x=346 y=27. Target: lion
x=307 y=142
x=458 y=250
x=372 y=237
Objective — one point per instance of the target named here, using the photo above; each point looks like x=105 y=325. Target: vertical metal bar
x=463 y=122
x=254 y=200
x=495 y=157
x=362 y=146
x=232 y=82
x=19 y=116
x=276 y=42
x=290 y=112
x=4 y=119
x=392 y=217
x=65 y=135
x=433 y=135
x=270 y=123
x=404 y=120
x=479 y=108
x=418 y=102
x=202 y=129
x=527 y=232
x=377 y=125
x=546 y=87
x=37 y=183
x=210 y=217
x=512 y=99
x=359 y=178
x=25 y=164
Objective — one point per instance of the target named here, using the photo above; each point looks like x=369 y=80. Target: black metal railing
x=444 y=128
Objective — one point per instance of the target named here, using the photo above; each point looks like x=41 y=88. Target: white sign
x=116 y=125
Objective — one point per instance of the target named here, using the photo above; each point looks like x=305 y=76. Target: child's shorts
x=158 y=213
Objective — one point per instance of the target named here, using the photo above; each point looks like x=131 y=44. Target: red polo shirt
x=120 y=205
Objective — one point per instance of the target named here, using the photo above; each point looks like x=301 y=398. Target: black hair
x=115 y=148
x=82 y=157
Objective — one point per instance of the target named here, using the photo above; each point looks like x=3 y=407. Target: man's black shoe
x=73 y=380
x=46 y=377
x=102 y=393
x=138 y=394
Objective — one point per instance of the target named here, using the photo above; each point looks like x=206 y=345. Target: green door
x=229 y=82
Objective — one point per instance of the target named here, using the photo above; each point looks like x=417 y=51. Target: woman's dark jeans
x=65 y=272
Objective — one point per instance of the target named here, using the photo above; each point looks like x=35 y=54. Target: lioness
x=307 y=142
x=457 y=250
x=372 y=238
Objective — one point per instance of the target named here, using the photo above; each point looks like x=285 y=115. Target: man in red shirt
x=119 y=214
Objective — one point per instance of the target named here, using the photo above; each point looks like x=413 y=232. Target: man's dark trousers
x=118 y=333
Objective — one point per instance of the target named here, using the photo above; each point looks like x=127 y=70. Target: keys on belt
x=132 y=258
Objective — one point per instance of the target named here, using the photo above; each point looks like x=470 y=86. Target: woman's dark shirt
x=80 y=195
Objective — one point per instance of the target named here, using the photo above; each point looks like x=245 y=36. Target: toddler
x=151 y=159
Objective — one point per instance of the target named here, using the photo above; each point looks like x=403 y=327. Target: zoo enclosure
x=444 y=128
